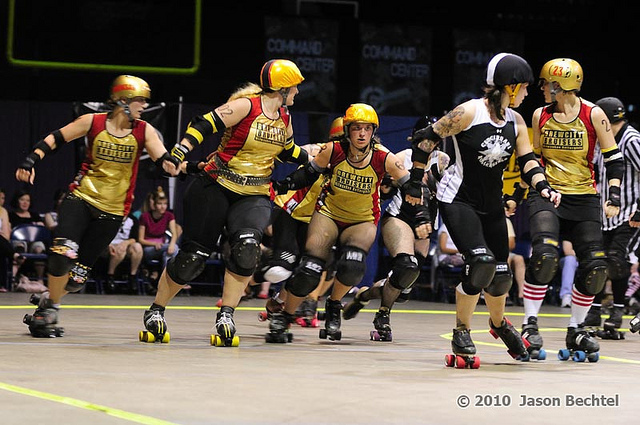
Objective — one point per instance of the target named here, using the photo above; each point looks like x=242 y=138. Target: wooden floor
x=99 y=373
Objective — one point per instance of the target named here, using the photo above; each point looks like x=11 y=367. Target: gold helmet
x=278 y=74
x=566 y=72
x=361 y=112
x=337 y=129
x=128 y=86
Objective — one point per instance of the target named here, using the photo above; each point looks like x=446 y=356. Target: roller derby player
x=347 y=211
x=405 y=230
x=565 y=123
x=485 y=133
x=232 y=190
x=100 y=197
x=291 y=215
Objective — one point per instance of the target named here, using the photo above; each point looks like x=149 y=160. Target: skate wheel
x=475 y=363
x=263 y=316
x=217 y=341
x=524 y=357
x=301 y=322
x=278 y=338
x=322 y=334
x=336 y=336
x=540 y=355
x=579 y=356
x=59 y=332
x=374 y=336
x=289 y=337
x=146 y=336
x=564 y=354
x=593 y=357
x=166 y=338
x=314 y=323
x=449 y=360
x=461 y=362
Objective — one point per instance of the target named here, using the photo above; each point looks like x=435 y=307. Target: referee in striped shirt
x=617 y=232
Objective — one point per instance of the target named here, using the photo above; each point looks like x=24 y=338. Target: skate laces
x=225 y=325
x=154 y=320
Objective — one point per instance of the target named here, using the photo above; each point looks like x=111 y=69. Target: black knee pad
x=544 y=260
x=591 y=275
x=618 y=266
x=78 y=276
x=405 y=269
x=244 y=252
x=62 y=258
x=306 y=276
x=502 y=281
x=478 y=271
x=281 y=266
x=351 y=265
x=188 y=263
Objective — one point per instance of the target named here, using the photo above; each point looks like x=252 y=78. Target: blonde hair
x=247 y=90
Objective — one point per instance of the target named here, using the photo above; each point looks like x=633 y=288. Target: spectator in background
x=448 y=253
x=6 y=249
x=157 y=232
x=568 y=264
x=51 y=217
x=23 y=214
x=125 y=245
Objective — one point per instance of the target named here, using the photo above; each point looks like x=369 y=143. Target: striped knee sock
x=580 y=304
x=533 y=297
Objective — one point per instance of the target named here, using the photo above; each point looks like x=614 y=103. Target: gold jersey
x=567 y=151
x=107 y=177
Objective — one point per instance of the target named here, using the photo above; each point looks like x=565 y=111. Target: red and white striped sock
x=580 y=304
x=533 y=297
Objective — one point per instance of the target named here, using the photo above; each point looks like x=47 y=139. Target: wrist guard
x=614 y=196
x=179 y=151
x=29 y=162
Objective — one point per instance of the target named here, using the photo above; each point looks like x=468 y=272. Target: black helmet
x=423 y=122
x=506 y=68
x=613 y=107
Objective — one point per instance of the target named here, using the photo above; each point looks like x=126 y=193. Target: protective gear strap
x=351 y=266
x=306 y=277
x=167 y=157
x=528 y=176
x=613 y=162
x=293 y=153
x=202 y=125
x=58 y=139
x=245 y=252
x=478 y=271
x=522 y=160
x=43 y=146
x=615 y=196
x=78 y=276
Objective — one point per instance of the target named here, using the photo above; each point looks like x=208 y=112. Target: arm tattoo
x=399 y=165
x=450 y=123
x=224 y=110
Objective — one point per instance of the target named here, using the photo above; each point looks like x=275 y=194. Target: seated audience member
x=125 y=245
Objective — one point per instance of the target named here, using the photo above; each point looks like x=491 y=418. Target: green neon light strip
x=107 y=67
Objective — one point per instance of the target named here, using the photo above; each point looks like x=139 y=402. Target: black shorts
x=210 y=208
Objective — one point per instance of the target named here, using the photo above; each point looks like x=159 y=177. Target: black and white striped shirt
x=628 y=141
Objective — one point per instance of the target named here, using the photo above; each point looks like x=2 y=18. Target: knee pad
x=281 y=266
x=306 y=277
x=502 y=281
x=618 y=266
x=188 y=263
x=478 y=271
x=351 y=265
x=544 y=260
x=591 y=275
x=78 y=276
x=405 y=269
x=244 y=252
x=63 y=255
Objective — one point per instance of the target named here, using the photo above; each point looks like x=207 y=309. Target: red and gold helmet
x=278 y=74
x=337 y=129
x=566 y=72
x=361 y=112
x=128 y=86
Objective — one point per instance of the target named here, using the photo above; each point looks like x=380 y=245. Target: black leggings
x=87 y=226
x=210 y=208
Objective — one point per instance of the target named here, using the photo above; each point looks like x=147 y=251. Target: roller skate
x=272 y=306
x=279 y=332
x=225 y=328
x=42 y=323
x=306 y=315
x=531 y=334
x=634 y=324
x=611 y=326
x=593 y=321
x=382 y=324
x=332 y=321
x=352 y=308
x=156 y=327
x=517 y=346
x=581 y=346
x=464 y=350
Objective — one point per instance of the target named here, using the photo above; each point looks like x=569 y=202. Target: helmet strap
x=512 y=92
x=284 y=93
x=125 y=106
x=554 y=88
